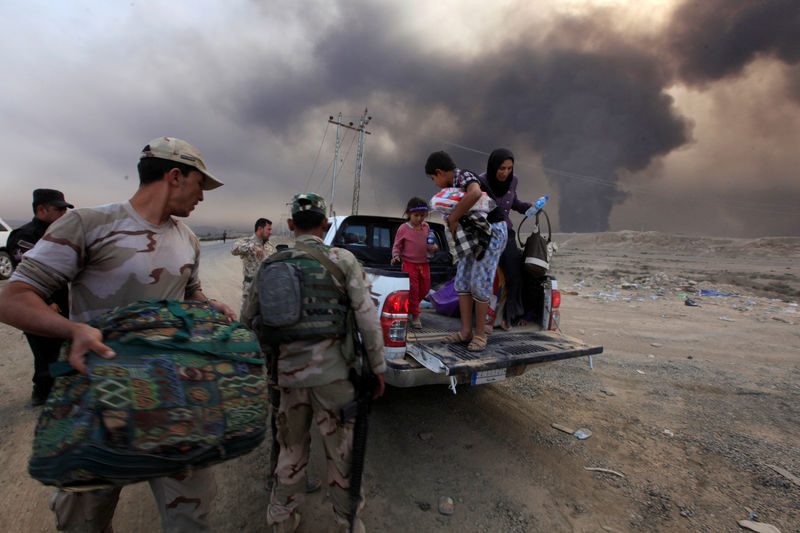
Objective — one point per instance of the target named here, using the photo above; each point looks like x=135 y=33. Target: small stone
x=426 y=436
x=446 y=505
x=424 y=506
x=656 y=344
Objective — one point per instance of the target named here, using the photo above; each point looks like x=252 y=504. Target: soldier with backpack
x=304 y=325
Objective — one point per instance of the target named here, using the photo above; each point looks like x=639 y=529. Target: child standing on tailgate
x=411 y=247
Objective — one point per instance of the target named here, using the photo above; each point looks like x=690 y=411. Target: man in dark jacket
x=48 y=206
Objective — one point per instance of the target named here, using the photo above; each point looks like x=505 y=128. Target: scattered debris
x=691 y=303
x=583 y=433
x=604 y=470
x=726 y=319
x=640 y=371
x=759 y=527
x=779 y=319
x=785 y=473
x=607 y=392
x=705 y=292
x=425 y=506
x=668 y=433
x=562 y=427
x=656 y=344
x=446 y=505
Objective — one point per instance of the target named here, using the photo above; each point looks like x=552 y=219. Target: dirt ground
x=694 y=411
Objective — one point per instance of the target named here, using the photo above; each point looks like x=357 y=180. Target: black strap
x=538 y=227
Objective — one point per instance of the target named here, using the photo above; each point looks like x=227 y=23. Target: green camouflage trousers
x=297 y=409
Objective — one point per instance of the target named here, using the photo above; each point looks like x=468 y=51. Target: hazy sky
x=648 y=115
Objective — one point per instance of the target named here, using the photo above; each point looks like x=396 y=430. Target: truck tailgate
x=518 y=347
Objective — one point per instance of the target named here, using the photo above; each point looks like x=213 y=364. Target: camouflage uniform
x=246 y=249
x=313 y=378
x=112 y=257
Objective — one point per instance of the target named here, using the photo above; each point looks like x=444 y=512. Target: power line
x=317 y=158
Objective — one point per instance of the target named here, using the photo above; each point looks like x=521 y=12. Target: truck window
x=381 y=237
x=355 y=234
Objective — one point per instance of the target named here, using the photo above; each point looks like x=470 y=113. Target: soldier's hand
x=381 y=388
x=86 y=338
x=222 y=308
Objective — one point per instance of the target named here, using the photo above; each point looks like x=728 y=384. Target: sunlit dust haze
x=675 y=116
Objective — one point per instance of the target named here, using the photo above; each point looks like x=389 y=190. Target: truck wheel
x=6 y=268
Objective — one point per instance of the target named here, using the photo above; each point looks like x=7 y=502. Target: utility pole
x=362 y=125
x=362 y=131
x=335 y=160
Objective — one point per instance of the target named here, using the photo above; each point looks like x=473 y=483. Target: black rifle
x=275 y=402
x=365 y=385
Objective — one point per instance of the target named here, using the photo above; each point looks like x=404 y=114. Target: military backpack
x=298 y=298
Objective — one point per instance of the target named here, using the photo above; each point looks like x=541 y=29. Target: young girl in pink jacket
x=411 y=247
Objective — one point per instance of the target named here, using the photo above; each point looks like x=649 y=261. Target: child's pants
x=419 y=283
x=477 y=277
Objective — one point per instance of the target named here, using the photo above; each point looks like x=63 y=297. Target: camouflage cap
x=181 y=151
x=308 y=202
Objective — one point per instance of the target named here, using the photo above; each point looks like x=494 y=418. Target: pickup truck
x=6 y=266
x=418 y=357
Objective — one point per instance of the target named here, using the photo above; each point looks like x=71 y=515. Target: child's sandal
x=477 y=344
x=455 y=338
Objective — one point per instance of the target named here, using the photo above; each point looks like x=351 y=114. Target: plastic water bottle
x=536 y=207
x=431 y=240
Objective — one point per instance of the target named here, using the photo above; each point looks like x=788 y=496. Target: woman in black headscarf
x=502 y=181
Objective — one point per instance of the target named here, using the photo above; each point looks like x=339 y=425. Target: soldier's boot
x=287 y=526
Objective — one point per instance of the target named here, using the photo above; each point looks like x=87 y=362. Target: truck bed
x=507 y=354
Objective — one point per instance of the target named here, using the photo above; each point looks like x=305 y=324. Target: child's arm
x=397 y=249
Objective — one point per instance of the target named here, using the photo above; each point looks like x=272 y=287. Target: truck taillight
x=555 y=314
x=556 y=299
x=394 y=319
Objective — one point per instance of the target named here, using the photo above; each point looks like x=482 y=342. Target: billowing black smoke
x=590 y=102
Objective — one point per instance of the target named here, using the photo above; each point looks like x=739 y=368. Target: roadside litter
x=580 y=433
x=604 y=470
x=705 y=292
x=759 y=527
x=691 y=303
x=446 y=505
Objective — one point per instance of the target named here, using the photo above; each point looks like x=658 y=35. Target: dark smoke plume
x=713 y=39
x=592 y=103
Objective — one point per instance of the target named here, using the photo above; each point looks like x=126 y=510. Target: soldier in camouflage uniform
x=253 y=250
x=313 y=380
x=114 y=255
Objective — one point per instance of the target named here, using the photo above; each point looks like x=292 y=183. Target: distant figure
x=475 y=275
x=412 y=248
x=48 y=206
x=224 y=236
x=253 y=250
x=113 y=255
